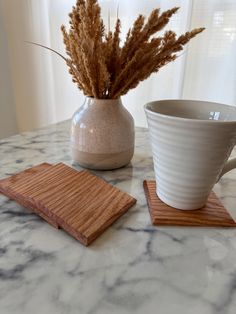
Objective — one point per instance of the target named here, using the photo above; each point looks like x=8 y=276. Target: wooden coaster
x=213 y=214
x=22 y=177
x=78 y=202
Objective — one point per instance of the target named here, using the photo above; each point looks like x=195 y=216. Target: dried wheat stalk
x=100 y=67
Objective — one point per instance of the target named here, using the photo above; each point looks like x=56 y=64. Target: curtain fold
x=42 y=88
x=211 y=62
x=30 y=67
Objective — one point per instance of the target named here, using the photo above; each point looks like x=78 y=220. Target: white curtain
x=42 y=89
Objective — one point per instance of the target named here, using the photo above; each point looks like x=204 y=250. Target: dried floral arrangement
x=100 y=67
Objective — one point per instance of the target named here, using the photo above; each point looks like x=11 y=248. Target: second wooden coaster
x=213 y=214
x=78 y=202
x=19 y=178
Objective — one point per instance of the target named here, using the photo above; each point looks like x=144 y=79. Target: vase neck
x=103 y=102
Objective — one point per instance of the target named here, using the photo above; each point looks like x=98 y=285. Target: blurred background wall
x=8 y=123
x=36 y=90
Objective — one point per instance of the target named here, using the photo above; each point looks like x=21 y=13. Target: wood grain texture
x=25 y=202
x=78 y=202
x=213 y=214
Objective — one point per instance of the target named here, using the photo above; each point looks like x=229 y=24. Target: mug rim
x=188 y=119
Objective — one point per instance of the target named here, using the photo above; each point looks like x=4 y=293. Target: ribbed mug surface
x=189 y=154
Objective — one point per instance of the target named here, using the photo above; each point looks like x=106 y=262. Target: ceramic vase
x=102 y=134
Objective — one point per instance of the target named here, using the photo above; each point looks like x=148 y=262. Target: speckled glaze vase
x=102 y=134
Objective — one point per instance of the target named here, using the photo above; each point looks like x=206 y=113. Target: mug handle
x=231 y=164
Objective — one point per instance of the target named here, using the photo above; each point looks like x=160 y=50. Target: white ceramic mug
x=191 y=144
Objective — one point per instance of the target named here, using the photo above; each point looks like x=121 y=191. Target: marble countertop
x=133 y=267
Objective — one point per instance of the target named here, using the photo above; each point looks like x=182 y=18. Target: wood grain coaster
x=213 y=214
x=27 y=174
x=78 y=202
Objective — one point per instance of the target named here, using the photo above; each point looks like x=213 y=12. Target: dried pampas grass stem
x=97 y=62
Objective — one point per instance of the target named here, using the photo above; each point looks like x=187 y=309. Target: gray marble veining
x=133 y=267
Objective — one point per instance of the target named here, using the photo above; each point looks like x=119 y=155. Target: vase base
x=102 y=161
